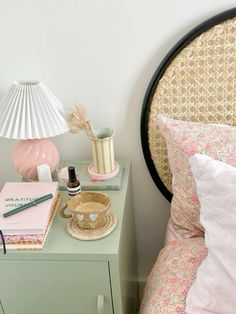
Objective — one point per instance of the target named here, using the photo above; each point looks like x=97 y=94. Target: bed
x=189 y=109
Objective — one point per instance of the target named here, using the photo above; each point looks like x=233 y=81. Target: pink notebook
x=33 y=220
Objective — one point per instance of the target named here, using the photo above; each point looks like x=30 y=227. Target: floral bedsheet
x=169 y=281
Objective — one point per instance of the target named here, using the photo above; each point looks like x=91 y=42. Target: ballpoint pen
x=28 y=205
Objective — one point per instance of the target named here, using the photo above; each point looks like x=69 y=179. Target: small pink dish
x=102 y=176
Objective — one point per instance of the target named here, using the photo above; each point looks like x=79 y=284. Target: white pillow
x=214 y=290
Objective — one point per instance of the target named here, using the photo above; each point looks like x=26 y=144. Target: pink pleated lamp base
x=28 y=154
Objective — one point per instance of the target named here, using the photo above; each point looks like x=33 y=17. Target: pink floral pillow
x=171 y=276
x=183 y=140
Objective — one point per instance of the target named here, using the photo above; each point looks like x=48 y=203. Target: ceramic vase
x=103 y=151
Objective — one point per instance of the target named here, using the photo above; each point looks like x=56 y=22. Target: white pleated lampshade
x=30 y=111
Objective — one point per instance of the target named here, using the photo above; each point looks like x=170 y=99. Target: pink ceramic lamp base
x=28 y=154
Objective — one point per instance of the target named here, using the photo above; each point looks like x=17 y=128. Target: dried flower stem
x=77 y=120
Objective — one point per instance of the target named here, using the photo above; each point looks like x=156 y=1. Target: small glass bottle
x=73 y=184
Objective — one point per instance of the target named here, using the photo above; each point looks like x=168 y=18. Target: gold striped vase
x=103 y=150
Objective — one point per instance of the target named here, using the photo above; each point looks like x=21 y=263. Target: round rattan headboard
x=196 y=81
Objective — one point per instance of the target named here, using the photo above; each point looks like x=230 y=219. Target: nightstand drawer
x=55 y=287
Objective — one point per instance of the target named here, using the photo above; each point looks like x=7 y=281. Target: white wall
x=102 y=54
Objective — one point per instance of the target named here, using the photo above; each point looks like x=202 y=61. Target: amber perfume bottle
x=73 y=184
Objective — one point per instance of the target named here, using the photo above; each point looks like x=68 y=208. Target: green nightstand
x=73 y=276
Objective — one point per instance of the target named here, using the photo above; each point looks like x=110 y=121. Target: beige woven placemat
x=92 y=234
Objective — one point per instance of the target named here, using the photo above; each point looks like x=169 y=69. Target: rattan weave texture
x=198 y=85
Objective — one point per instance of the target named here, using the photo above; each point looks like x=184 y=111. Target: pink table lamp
x=31 y=113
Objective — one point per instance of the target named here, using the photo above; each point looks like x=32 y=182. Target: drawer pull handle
x=1 y=308
x=100 y=304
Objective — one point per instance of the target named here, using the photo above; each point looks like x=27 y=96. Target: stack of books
x=29 y=228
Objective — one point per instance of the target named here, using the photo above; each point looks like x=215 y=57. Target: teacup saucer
x=92 y=234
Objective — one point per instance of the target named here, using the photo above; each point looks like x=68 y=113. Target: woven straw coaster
x=92 y=234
